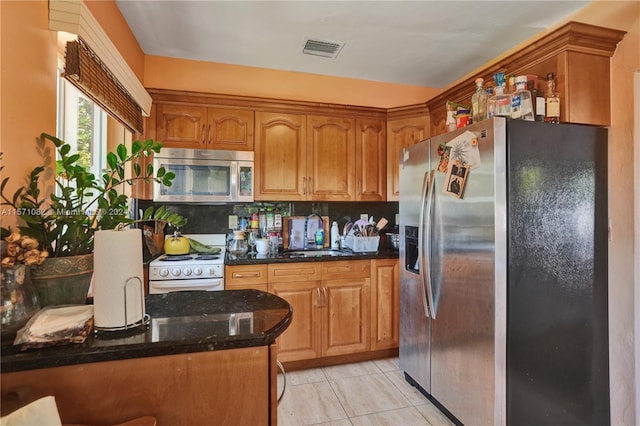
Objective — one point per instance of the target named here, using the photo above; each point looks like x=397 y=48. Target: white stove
x=195 y=271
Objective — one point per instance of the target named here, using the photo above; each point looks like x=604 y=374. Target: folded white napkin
x=50 y=321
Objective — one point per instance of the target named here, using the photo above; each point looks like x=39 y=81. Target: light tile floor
x=366 y=393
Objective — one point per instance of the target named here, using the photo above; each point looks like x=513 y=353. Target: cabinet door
x=230 y=129
x=402 y=133
x=385 y=304
x=302 y=339
x=280 y=157
x=181 y=126
x=331 y=158
x=345 y=316
x=371 y=160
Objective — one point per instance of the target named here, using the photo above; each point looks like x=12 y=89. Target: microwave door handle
x=233 y=180
x=427 y=244
x=421 y=226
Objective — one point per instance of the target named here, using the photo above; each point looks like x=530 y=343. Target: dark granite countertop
x=286 y=257
x=181 y=322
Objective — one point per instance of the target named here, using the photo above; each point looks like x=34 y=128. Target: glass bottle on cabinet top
x=553 y=100
x=500 y=102
x=479 y=102
x=521 y=104
x=539 y=102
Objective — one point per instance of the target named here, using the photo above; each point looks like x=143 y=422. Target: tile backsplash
x=214 y=219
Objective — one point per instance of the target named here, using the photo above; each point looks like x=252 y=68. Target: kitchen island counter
x=205 y=358
x=180 y=322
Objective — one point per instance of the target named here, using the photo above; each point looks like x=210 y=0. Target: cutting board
x=293 y=230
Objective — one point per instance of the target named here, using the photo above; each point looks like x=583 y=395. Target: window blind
x=85 y=70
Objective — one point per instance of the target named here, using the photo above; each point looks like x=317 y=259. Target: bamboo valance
x=85 y=70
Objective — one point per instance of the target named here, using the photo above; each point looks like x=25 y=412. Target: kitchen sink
x=314 y=253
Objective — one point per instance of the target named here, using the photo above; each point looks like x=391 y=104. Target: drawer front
x=346 y=269
x=245 y=275
x=290 y=272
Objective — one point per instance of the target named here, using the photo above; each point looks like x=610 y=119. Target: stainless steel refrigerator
x=503 y=282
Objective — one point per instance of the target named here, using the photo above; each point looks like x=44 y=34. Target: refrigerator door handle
x=426 y=188
x=427 y=245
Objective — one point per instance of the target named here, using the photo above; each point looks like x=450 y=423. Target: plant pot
x=19 y=300
x=63 y=280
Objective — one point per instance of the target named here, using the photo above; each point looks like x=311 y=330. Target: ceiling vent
x=324 y=48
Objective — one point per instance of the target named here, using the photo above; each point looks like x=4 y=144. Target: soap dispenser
x=335 y=236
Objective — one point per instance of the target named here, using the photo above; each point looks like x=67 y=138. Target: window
x=83 y=125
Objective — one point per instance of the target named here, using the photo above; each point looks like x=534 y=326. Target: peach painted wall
x=114 y=24
x=622 y=191
x=27 y=88
x=179 y=74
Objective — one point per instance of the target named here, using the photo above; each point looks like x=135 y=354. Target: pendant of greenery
x=65 y=223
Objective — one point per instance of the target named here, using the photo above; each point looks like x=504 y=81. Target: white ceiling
x=421 y=43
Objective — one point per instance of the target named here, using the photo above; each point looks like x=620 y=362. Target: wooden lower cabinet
x=385 y=304
x=345 y=316
x=298 y=284
x=230 y=387
x=241 y=277
x=302 y=339
x=340 y=308
x=330 y=316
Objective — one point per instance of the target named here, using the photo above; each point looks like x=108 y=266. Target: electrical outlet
x=233 y=221
x=364 y=216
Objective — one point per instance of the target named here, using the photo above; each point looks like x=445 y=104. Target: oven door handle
x=182 y=285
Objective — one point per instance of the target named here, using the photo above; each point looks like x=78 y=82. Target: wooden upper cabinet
x=400 y=134
x=579 y=54
x=280 y=155
x=330 y=158
x=189 y=126
x=371 y=160
x=181 y=126
x=313 y=158
x=230 y=129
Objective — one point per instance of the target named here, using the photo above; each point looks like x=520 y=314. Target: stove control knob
x=211 y=271
x=186 y=272
x=175 y=272
x=197 y=271
x=163 y=272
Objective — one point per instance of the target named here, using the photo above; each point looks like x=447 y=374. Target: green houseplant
x=64 y=223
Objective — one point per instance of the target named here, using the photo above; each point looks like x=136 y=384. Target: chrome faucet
x=310 y=241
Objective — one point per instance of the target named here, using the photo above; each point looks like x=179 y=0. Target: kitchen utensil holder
x=362 y=244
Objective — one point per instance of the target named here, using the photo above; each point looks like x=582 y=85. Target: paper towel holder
x=144 y=321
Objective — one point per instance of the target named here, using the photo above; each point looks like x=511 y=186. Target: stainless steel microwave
x=205 y=176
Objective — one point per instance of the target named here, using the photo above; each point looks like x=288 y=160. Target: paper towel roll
x=117 y=257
